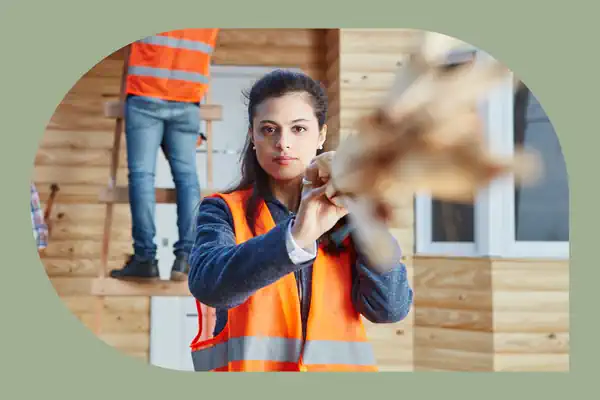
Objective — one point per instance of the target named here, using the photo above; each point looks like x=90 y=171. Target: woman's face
x=286 y=135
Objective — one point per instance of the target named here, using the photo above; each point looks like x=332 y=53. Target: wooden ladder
x=104 y=285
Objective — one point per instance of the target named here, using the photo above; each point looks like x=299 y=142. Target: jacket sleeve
x=224 y=274
x=381 y=297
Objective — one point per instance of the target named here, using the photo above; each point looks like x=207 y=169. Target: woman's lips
x=284 y=160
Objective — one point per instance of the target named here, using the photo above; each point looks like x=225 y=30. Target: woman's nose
x=284 y=140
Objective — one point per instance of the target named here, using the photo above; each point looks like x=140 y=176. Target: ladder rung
x=120 y=195
x=114 y=287
x=208 y=112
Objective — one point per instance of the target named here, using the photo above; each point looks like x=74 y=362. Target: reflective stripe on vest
x=336 y=352
x=168 y=74
x=282 y=350
x=178 y=43
x=247 y=348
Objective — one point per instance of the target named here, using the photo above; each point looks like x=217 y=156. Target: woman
x=279 y=305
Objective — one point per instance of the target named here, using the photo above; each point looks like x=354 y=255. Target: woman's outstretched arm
x=224 y=274
x=382 y=292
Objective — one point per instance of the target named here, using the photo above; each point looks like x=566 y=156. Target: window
x=542 y=210
x=507 y=220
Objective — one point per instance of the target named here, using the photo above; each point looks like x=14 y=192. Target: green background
x=47 y=46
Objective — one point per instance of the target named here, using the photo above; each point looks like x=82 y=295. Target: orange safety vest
x=264 y=334
x=172 y=65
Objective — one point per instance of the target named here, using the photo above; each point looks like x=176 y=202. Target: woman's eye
x=267 y=129
x=299 y=129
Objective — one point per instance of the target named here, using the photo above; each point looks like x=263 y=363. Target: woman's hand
x=317 y=213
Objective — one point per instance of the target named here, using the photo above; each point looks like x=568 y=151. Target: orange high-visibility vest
x=172 y=65
x=264 y=334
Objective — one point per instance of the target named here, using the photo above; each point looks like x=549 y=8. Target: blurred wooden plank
x=112 y=305
x=482 y=321
x=531 y=301
x=114 y=287
x=46 y=174
x=532 y=363
x=119 y=323
x=71 y=286
x=454 y=339
x=301 y=38
x=531 y=343
x=378 y=40
x=453 y=360
x=456 y=299
x=66 y=157
x=533 y=322
x=62 y=231
x=370 y=62
x=524 y=275
x=85 y=249
x=444 y=273
x=90 y=213
x=76 y=268
x=77 y=140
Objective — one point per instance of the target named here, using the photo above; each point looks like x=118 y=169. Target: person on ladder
x=167 y=78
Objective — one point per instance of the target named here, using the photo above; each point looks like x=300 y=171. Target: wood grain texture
x=532 y=362
x=516 y=311
x=392 y=344
x=531 y=315
x=453 y=360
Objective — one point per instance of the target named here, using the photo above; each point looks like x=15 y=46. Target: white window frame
x=494 y=207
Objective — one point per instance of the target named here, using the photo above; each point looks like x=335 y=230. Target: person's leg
x=179 y=146
x=144 y=127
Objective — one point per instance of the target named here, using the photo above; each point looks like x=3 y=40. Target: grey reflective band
x=168 y=74
x=178 y=43
x=282 y=350
x=247 y=348
x=336 y=352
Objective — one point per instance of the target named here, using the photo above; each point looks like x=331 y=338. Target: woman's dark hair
x=272 y=85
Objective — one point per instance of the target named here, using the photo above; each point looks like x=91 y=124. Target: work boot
x=180 y=269
x=137 y=269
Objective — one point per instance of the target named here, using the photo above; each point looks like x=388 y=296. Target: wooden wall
x=491 y=315
x=531 y=315
x=453 y=314
x=75 y=154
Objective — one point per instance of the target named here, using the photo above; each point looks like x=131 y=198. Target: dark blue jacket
x=224 y=274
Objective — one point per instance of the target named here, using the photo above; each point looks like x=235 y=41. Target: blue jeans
x=152 y=124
